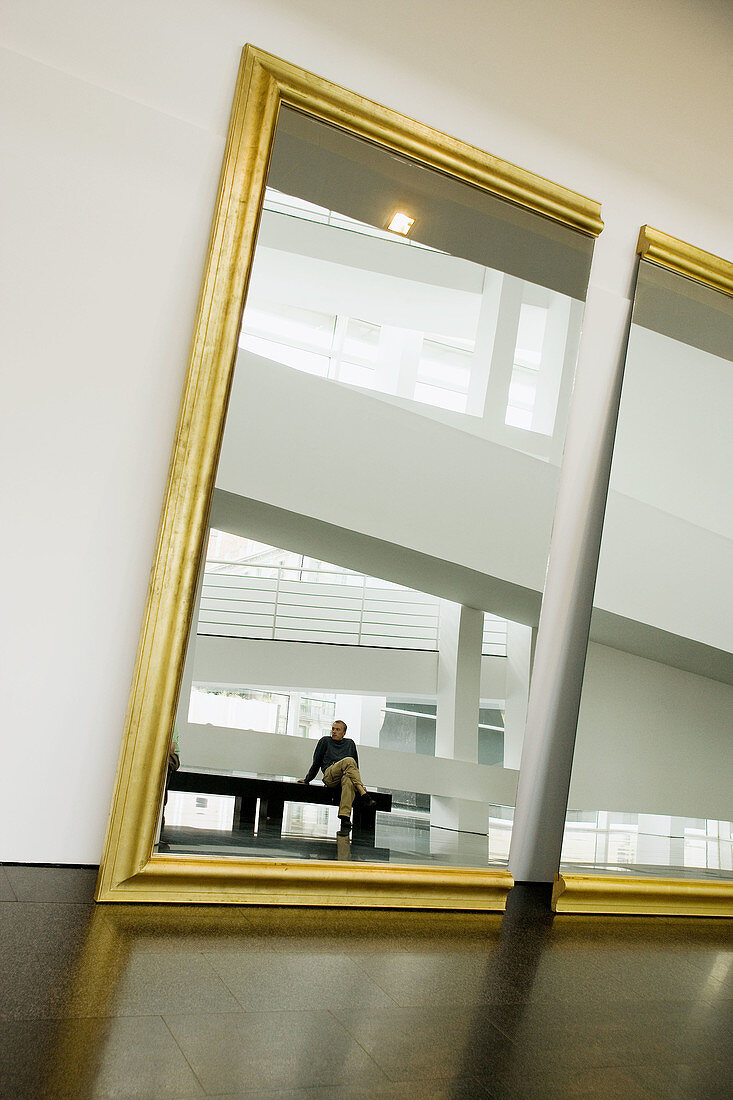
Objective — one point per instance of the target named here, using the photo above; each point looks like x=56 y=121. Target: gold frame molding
x=639 y=896
x=659 y=248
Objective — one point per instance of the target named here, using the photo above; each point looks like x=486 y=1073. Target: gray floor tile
x=674 y=1080
x=49 y=884
x=263 y=981
x=26 y=1054
x=431 y=978
x=591 y=975
x=615 y=1032
x=54 y=962
x=285 y=1050
x=77 y=1059
x=39 y=948
x=431 y=1044
x=555 y=1082
x=6 y=890
x=141 y=1058
x=716 y=966
x=152 y=984
x=651 y=934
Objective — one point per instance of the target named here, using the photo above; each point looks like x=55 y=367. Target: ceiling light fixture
x=401 y=223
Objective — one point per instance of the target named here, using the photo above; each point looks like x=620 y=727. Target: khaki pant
x=346 y=773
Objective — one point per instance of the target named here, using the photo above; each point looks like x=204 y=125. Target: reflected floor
x=649 y=870
x=400 y=840
x=404 y=839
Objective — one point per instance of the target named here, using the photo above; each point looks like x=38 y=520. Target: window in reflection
x=208 y=813
x=607 y=842
x=389 y=722
x=430 y=368
x=244 y=709
x=637 y=841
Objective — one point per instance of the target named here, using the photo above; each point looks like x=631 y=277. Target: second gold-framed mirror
x=358 y=513
x=649 y=825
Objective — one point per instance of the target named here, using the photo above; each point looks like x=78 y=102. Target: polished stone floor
x=183 y=1002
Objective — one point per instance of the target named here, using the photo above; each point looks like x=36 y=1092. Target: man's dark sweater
x=329 y=752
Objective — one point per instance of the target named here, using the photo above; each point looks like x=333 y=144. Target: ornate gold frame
x=643 y=896
x=659 y=248
x=130 y=871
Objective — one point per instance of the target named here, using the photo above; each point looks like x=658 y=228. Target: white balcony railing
x=286 y=603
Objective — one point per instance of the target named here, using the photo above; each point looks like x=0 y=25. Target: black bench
x=273 y=793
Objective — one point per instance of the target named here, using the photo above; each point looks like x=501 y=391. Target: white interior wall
x=301 y=667
x=114 y=119
x=431 y=506
x=652 y=738
x=679 y=459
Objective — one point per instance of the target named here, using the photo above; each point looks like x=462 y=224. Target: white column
x=552 y=365
x=518 y=664
x=502 y=359
x=562 y=638
x=293 y=725
x=456 y=730
x=484 y=344
x=371 y=719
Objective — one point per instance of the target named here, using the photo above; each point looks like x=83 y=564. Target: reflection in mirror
x=653 y=768
x=381 y=517
x=472 y=317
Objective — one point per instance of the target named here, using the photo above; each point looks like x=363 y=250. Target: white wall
x=425 y=485
x=679 y=459
x=299 y=666
x=653 y=739
x=114 y=118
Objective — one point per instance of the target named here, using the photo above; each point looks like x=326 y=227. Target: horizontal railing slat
x=347 y=609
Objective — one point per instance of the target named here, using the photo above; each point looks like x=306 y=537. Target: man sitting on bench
x=337 y=757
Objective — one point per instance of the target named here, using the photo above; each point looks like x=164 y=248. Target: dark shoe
x=345 y=826
x=367 y=801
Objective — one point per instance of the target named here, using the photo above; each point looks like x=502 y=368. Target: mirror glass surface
x=382 y=511
x=653 y=768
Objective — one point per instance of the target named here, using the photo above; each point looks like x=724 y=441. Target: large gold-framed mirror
x=649 y=824
x=466 y=350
